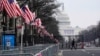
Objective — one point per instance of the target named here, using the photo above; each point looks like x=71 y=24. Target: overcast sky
x=82 y=13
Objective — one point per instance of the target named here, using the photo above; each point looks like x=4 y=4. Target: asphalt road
x=82 y=52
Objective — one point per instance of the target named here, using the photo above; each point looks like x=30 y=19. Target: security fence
x=49 y=51
x=43 y=50
x=18 y=54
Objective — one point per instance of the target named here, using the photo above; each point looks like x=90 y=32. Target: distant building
x=91 y=26
x=65 y=28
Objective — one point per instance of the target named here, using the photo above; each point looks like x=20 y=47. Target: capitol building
x=65 y=28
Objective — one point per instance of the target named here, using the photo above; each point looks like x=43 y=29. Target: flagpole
x=31 y=27
x=3 y=25
x=22 y=32
x=15 y=31
x=30 y=23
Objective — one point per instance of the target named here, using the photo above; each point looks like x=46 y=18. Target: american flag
x=13 y=8
x=9 y=6
x=38 y=22
x=34 y=16
x=1 y=5
x=18 y=9
x=28 y=12
x=45 y=32
x=25 y=16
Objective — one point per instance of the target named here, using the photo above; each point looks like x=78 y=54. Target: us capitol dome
x=65 y=27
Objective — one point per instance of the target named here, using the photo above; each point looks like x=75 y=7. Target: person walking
x=73 y=44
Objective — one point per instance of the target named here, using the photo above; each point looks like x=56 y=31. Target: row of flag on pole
x=13 y=10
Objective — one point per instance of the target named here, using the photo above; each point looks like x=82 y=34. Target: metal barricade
x=8 y=48
x=30 y=49
x=23 y=54
x=49 y=51
x=44 y=50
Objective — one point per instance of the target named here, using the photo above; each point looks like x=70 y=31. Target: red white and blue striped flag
x=9 y=6
x=34 y=16
x=38 y=22
x=27 y=14
x=13 y=7
x=1 y=5
x=18 y=9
